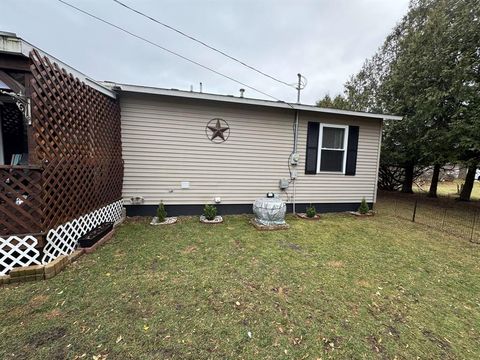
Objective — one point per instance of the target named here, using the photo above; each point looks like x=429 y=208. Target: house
x=173 y=152
x=74 y=151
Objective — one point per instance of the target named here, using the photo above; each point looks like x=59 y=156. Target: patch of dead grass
x=336 y=264
x=189 y=249
x=364 y=283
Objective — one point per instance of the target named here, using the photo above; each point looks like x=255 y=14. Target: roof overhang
x=10 y=43
x=240 y=100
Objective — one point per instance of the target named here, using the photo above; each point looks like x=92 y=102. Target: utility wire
x=171 y=52
x=203 y=43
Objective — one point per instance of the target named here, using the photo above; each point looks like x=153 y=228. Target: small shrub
x=363 y=209
x=161 y=212
x=311 y=211
x=210 y=211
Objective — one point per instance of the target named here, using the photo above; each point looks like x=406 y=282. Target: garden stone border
x=168 y=221
x=262 y=227
x=305 y=217
x=356 y=213
x=217 y=220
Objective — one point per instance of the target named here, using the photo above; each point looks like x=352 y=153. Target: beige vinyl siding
x=164 y=143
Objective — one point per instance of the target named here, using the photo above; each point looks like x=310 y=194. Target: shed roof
x=241 y=100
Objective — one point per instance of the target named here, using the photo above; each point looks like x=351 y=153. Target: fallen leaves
x=330 y=344
x=99 y=357
x=189 y=249
x=53 y=314
x=280 y=290
x=336 y=264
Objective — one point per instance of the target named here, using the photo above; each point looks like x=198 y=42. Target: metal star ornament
x=217 y=130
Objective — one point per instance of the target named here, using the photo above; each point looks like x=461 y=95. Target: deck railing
x=21 y=202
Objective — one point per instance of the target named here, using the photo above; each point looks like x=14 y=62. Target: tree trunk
x=468 y=186
x=408 y=180
x=434 y=184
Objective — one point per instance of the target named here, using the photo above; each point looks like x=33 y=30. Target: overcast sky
x=326 y=40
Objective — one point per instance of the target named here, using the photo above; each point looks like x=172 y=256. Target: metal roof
x=240 y=100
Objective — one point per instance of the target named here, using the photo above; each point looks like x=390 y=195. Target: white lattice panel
x=63 y=239
x=18 y=251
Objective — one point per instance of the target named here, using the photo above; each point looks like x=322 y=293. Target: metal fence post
x=473 y=225
x=444 y=216
x=414 y=211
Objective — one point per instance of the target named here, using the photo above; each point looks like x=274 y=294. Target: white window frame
x=321 y=148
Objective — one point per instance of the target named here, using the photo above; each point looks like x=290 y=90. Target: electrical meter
x=294 y=159
x=283 y=184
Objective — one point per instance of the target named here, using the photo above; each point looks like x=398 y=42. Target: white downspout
x=295 y=146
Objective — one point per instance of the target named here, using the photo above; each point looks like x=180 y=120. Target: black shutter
x=352 y=149
x=313 y=131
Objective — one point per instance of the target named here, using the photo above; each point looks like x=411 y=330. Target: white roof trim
x=239 y=100
x=10 y=43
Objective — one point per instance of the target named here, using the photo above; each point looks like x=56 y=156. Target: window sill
x=330 y=173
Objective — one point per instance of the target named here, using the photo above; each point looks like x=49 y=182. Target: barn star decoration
x=218 y=130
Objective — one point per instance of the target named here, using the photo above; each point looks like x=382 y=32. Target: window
x=332 y=145
x=13 y=134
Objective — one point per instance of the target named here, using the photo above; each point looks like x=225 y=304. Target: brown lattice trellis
x=21 y=200
x=76 y=162
x=76 y=130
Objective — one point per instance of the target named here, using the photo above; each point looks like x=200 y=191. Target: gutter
x=242 y=100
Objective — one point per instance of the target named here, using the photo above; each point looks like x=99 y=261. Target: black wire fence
x=458 y=219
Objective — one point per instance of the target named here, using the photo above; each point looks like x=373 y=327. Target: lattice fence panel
x=21 y=200
x=63 y=239
x=18 y=251
x=77 y=137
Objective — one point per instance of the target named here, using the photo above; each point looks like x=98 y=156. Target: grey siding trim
x=164 y=143
x=230 y=209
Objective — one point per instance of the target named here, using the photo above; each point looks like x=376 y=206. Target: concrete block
x=75 y=255
x=33 y=269
x=50 y=267
x=17 y=272
x=49 y=275
x=17 y=279
x=30 y=278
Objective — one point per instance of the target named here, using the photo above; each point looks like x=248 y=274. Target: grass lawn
x=342 y=287
x=450 y=189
